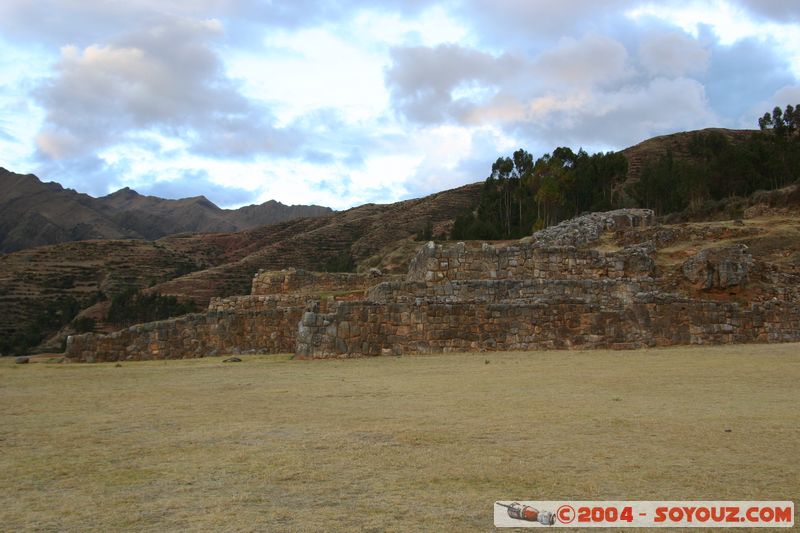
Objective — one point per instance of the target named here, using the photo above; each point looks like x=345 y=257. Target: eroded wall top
x=298 y=281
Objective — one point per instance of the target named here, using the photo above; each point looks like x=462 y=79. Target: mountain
x=33 y=213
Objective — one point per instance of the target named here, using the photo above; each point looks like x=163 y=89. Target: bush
x=426 y=233
x=83 y=324
x=341 y=262
x=132 y=307
x=47 y=319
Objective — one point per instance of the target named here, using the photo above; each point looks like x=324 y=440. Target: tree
x=132 y=307
x=426 y=233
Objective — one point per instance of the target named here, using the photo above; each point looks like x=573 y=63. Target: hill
x=678 y=144
x=42 y=289
x=33 y=213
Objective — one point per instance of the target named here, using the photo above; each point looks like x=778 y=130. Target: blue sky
x=341 y=103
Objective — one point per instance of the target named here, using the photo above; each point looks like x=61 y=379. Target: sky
x=341 y=103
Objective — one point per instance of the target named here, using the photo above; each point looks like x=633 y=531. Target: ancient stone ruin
x=555 y=289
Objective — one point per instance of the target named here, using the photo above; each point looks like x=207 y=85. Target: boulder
x=719 y=268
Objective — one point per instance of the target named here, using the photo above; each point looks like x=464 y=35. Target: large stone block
x=719 y=268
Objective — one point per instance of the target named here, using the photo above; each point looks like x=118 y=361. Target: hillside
x=65 y=276
x=678 y=143
x=33 y=213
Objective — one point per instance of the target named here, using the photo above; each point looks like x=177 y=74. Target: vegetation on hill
x=46 y=317
x=521 y=195
x=719 y=169
x=134 y=307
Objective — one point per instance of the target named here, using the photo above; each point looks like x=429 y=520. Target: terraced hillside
x=199 y=267
x=678 y=143
x=337 y=242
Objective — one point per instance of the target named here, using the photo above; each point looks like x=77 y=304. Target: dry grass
x=405 y=444
x=774 y=238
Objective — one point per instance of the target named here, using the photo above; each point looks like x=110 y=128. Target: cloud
x=5 y=136
x=88 y=174
x=606 y=119
x=57 y=22
x=305 y=13
x=532 y=22
x=587 y=90
x=673 y=54
x=745 y=72
x=785 y=11
x=344 y=101
x=633 y=114
x=594 y=59
x=787 y=95
x=198 y=183
x=455 y=155
x=422 y=79
x=449 y=83
x=165 y=78
x=433 y=85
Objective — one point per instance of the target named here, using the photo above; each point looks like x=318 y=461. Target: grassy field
x=390 y=444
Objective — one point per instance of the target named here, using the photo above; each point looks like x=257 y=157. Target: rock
x=638 y=259
x=719 y=268
x=22 y=360
x=588 y=228
x=375 y=272
x=232 y=360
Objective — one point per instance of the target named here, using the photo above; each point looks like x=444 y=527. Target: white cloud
x=20 y=118
x=729 y=22
x=602 y=119
x=311 y=69
x=431 y=27
x=624 y=117
x=166 y=78
x=424 y=81
x=788 y=95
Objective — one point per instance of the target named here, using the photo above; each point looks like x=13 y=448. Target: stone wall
x=352 y=329
x=256 y=304
x=436 y=263
x=588 y=228
x=602 y=291
x=294 y=281
x=232 y=325
x=542 y=292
